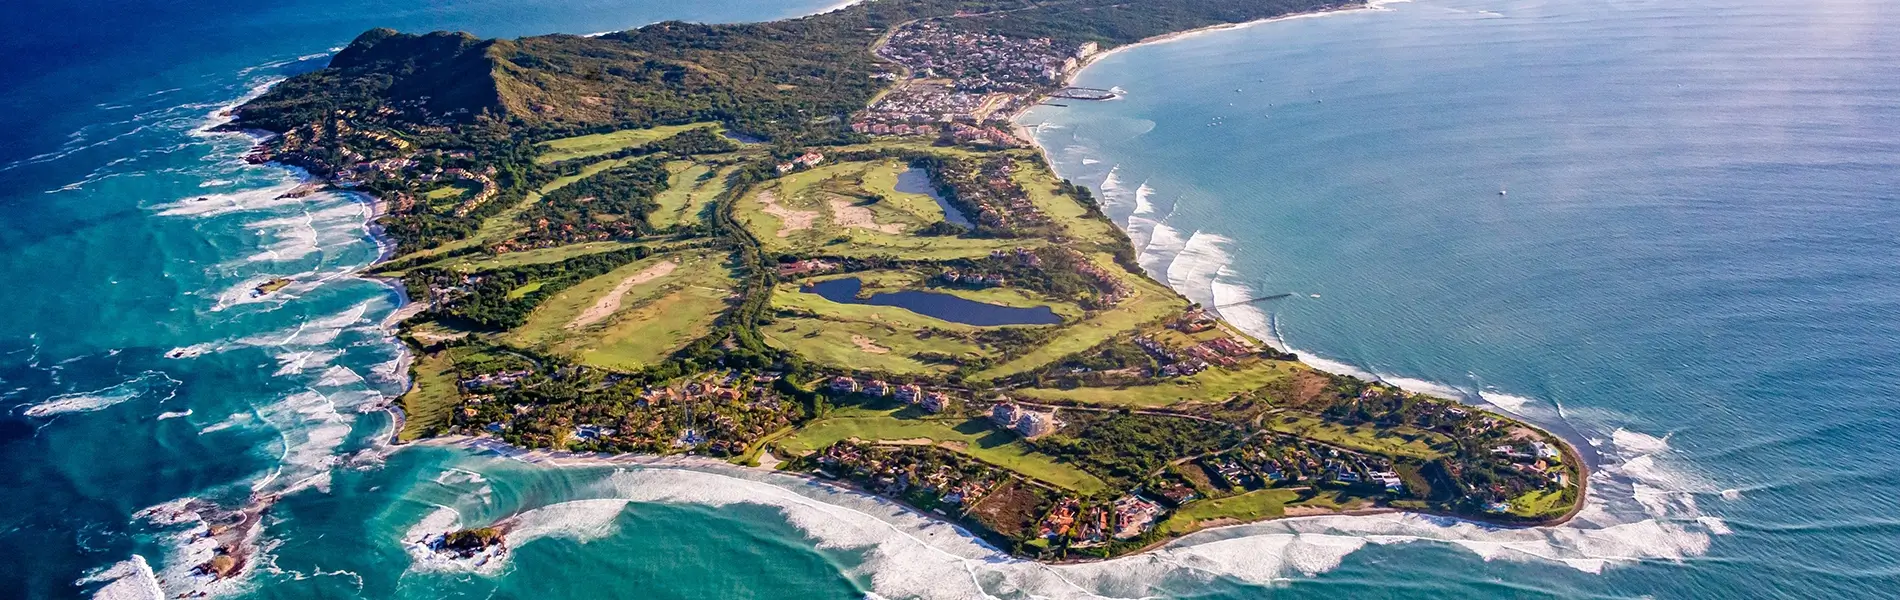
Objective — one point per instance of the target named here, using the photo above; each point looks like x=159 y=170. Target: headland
x=634 y=242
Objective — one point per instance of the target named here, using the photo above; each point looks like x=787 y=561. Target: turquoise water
x=1691 y=273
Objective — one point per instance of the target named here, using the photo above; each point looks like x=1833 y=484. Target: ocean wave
x=907 y=554
x=130 y=579
x=100 y=399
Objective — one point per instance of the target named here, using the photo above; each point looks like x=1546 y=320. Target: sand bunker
x=610 y=303
x=790 y=220
x=867 y=345
x=847 y=214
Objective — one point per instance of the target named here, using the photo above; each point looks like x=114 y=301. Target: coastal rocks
x=223 y=536
x=473 y=549
x=467 y=543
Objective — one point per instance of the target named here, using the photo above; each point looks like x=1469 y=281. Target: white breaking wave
x=130 y=579
x=100 y=399
x=906 y=554
x=1143 y=202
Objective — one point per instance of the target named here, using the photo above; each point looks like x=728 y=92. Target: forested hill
x=790 y=79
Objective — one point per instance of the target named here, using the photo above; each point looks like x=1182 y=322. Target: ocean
x=1662 y=229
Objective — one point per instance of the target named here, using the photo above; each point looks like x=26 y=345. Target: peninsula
x=817 y=245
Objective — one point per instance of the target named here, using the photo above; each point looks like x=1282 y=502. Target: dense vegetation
x=493 y=300
x=611 y=204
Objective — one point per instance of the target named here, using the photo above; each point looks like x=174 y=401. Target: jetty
x=1253 y=300
x=1085 y=93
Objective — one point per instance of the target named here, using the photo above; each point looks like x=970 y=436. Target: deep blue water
x=917 y=181
x=955 y=309
x=1693 y=270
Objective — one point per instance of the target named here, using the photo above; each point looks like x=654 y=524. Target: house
x=935 y=402
x=1004 y=413
x=844 y=385
x=909 y=393
x=1032 y=424
x=809 y=159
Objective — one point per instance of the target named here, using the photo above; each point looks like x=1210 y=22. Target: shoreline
x=561 y=459
x=552 y=459
x=1569 y=449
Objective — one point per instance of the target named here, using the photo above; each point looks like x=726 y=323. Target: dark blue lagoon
x=916 y=181
x=932 y=304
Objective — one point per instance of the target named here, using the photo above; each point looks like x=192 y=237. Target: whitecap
x=130 y=579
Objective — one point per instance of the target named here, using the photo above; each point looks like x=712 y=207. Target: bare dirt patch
x=790 y=220
x=848 y=214
x=610 y=303
x=868 y=345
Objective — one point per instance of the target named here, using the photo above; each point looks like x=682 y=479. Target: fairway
x=431 y=397
x=1212 y=385
x=634 y=315
x=1250 y=506
x=1402 y=441
x=867 y=346
x=974 y=437
x=1149 y=303
x=603 y=143
x=502 y=225
x=692 y=187
x=851 y=210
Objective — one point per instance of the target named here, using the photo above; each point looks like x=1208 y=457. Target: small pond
x=943 y=306
x=916 y=181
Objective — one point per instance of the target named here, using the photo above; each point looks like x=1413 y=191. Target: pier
x=1085 y=93
x=1253 y=300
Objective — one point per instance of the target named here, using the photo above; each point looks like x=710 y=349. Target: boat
x=269 y=287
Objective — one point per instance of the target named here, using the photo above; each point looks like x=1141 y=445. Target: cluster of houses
x=1535 y=458
x=1025 y=422
x=493 y=380
x=986 y=134
x=909 y=393
x=971 y=277
x=1021 y=255
x=1195 y=320
x=809 y=266
x=716 y=414
x=1112 y=289
x=931 y=477
x=809 y=159
x=1273 y=460
x=886 y=128
x=982 y=62
x=923 y=108
x=960 y=78
x=1226 y=351
x=987 y=188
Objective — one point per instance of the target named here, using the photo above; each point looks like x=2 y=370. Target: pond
x=932 y=304
x=916 y=181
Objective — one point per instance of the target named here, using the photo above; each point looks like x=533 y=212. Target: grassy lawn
x=1402 y=441
x=484 y=262
x=868 y=346
x=652 y=319
x=1041 y=185
x=1250 y=506
x=1212 y=385
x=1150 y=302
x=503 y=224
x=891 y=280
x=973 y=437
x=427 y=404
x=1539 y=503
x=826 y=192
x=647 y=333
x=687 y=193
x=603 y=143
